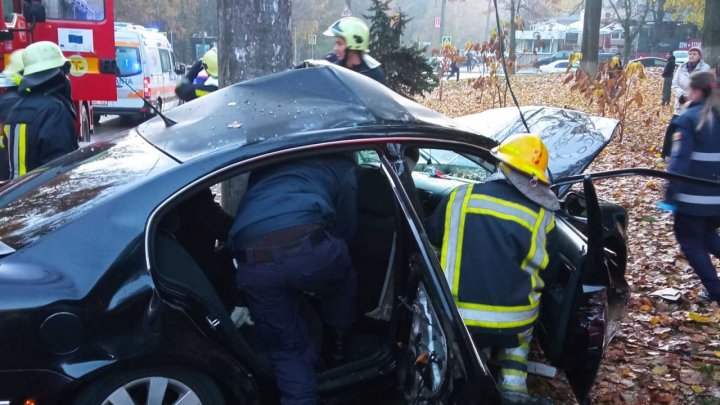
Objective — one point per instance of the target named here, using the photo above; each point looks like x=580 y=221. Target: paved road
x=111 y=127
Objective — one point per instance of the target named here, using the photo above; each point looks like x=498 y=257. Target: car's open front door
x=586 y=291
x=438 y=363
x=574 y=315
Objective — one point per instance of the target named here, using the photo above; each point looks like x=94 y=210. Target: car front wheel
x=154 y=386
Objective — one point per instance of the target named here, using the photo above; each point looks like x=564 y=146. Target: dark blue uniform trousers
x=273 y=290
x=698 y=238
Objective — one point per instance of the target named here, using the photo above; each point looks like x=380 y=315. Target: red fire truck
x=84 y=30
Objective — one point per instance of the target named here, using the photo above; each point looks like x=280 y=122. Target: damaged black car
x=111 y=293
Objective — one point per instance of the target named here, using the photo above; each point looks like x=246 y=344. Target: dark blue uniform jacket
x=39 y=128
x=314 y=191
x=695 y=153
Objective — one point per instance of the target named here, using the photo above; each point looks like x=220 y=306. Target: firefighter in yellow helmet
x=9 y=82
x=41 y=125
x=352 y=43
x=188 y=90
x=494 y=239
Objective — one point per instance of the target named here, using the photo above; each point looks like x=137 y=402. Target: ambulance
x=147 y=69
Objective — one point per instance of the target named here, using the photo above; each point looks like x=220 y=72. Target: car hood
x=573 y=138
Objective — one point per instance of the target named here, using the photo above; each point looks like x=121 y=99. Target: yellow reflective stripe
x=22 y=167
x=450 y=260
x=517 y=359
x=493 y=319
x=500 y=215
x=200 y=93
x=512 y=371
x=537 y=258
x=5 y=134
x=550 y=226
x=460 y=238
x=519 y=308
x=516 y=388
x=508 y=204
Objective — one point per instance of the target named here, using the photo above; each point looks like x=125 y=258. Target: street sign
x=346 y=12
x=437 y=22
x=312 y=39
x=446 y=40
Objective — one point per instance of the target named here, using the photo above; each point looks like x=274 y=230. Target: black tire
x=136 y=384
x=84 y=124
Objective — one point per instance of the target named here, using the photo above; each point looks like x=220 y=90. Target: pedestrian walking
x=187 y=90
x=352 y=43
x=41 y=124
x=667 y=74
x=696 y=152
x=454 y=68
x=289 y=236
x=680 y=86
x=494 y=258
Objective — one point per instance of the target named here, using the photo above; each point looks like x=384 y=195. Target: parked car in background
x=104 y=298
x=680 y=57
x=651 y=62
x=562 y=55
x=559 y=66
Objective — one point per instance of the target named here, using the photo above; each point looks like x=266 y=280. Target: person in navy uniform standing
x=289 y=237
x=696 y=152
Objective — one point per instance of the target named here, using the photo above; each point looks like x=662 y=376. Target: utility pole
x=442 y=21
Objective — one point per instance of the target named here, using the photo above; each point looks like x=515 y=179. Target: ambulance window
x=7 y=6
x=128 y=60
x=165 y=61
x=81 y=10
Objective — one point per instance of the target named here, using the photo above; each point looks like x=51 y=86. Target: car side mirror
x=34 y=11
x=180 y=69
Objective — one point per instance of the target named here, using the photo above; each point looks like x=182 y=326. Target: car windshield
x=680 y=54
x=128 y=60
x=53 y=195
x=448 y=164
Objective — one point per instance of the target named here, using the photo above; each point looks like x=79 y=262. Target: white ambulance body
x=146 y=63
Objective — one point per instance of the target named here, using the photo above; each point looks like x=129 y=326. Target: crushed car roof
x=284 y=104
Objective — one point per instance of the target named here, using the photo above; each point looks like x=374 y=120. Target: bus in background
x=83 y=29
x=147 y=69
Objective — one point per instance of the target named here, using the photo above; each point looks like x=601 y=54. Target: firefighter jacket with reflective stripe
x=494 y=246
x=37 y=129
x=695 y=153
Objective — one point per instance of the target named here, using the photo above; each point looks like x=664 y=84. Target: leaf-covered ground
x=664 y=352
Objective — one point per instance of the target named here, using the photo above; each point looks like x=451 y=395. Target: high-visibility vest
x=494 y=247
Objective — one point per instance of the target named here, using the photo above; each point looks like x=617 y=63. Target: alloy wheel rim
x=154 y=390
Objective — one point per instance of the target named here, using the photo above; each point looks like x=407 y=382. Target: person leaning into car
x=696 y=152
x=494 y=240
x=289 y=237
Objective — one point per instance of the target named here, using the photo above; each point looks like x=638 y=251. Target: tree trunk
x=627 y=48
x=591 y=36
x=711 y=33
x=659 y=27
x=254 y=40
